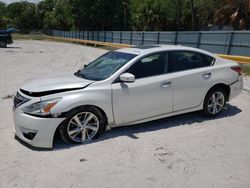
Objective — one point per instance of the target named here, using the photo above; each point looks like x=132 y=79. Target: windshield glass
x=105 y=66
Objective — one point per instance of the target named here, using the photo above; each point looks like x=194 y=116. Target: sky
x=11 y=1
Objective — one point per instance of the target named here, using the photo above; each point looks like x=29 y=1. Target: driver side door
x=149 y=96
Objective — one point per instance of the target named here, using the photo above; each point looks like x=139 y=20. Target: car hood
x=55 y=83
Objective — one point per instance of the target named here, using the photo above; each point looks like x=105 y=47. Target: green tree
x=2 y=9
x=235 y=13
x=23 y=15
x=2 y=14
x=56 y=14
x=63 y=15
x=49 y=21
x=101 y=14
x=153 y=15
x=45 y=9
x=205 y=11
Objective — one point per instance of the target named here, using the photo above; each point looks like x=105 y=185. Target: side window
x=185 y=60
x=151 y=65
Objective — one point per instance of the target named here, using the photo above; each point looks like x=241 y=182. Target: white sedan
x=124 y=87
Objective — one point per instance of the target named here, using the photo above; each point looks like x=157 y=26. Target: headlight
x=41 y=108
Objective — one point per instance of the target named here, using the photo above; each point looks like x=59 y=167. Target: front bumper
x=26 y=126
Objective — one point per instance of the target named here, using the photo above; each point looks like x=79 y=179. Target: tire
x=214 y=102
x=82 y=125
x=3 y=44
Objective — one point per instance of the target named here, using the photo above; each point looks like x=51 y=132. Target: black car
x=5 y=38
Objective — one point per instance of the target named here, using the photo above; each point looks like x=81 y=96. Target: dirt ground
x=182 y=151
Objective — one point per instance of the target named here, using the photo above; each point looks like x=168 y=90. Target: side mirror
x=127 y=77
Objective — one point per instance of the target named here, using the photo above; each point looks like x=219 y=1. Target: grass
x=17 y=36
x=246 y=69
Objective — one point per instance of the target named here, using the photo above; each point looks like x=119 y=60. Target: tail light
x=237 y=69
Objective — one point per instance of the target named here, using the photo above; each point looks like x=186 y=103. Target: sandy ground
x=183 y=151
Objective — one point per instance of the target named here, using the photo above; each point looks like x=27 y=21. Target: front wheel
x=82 y=125
x=214 y=102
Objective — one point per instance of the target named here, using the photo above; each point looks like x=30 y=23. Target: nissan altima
x=124 y=87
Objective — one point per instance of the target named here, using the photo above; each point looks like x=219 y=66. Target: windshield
x=105 y=66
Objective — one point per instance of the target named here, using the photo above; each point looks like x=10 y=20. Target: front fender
x=93 y=96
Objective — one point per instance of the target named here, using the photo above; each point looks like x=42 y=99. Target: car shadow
x=165 y=123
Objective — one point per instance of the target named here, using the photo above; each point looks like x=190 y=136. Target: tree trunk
x=125 y=19
x=179 y=14
x=192 y=13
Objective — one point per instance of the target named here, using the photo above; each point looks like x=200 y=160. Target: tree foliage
x=235 y=13
x=101 y=14
x=155 y=15
x=2 y=9
x=24 y=15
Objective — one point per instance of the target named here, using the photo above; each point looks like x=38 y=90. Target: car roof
x=144 y=49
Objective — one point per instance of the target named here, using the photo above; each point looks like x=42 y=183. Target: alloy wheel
x=216 y=103
x=83 y=126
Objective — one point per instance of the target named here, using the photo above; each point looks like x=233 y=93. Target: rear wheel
x=82 y=125
x=214 y=102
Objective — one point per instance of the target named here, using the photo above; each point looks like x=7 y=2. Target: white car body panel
x=135 y=101
x=45 y=128
x=144 y=100
x=188 y=88
x=236 y=88
x=159 y=116
x=56 y=82
x=96 y=94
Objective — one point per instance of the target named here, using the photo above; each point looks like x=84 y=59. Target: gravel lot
x=182 y=151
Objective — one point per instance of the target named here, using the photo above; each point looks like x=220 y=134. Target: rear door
x=191 y=75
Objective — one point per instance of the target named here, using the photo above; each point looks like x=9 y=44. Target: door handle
x=207 y=75
x=166 y=84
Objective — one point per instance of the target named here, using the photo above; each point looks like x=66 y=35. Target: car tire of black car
x=70 y=125
x=3 y=44
x=214 y=102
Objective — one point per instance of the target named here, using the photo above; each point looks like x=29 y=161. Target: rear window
x=185 y=60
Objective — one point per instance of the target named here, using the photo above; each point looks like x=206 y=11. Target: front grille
x=19 y=100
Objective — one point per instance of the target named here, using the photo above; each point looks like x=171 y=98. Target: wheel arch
x=65 y=114
x=224 y=86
